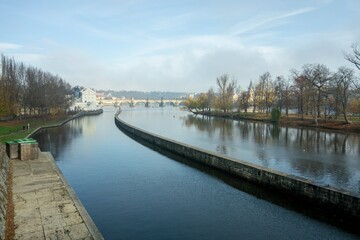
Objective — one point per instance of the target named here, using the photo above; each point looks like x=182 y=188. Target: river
x=133 y=192
x=327 y=158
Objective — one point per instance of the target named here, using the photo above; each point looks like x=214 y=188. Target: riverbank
x=293 y=120
x=15 y=129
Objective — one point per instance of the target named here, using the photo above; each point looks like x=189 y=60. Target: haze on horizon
x=179 y=46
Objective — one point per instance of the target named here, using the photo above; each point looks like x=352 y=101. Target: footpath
x=45 y=205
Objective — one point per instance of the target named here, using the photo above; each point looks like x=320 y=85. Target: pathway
x=45 y=205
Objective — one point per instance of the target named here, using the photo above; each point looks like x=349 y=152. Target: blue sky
x=176 y=45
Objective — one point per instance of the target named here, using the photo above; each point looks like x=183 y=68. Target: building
x=88 y=95
x=86 y=100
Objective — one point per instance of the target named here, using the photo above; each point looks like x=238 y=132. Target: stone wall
x=330 y=199
x=4 y=171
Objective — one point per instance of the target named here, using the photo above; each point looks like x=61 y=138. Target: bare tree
x=355 y=56
x=269 y=91
x=226 y=92
x=30 y=90
x=279 y=87
x=345 y=84
x=252 y=96
x=210 y=99
x=318 y=75
x=243 y=101
x=264 y=93
x=287 y=96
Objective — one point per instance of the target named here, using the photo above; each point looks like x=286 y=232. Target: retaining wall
x=4 y=171
x=331 y=199
x=78 y=115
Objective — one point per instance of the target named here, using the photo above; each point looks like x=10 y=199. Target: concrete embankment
x=46 y=207
x=330 y=199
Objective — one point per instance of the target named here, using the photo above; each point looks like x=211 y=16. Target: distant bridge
x=139 y=102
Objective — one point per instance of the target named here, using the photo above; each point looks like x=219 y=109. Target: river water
x=326 y=158
x=133 y=192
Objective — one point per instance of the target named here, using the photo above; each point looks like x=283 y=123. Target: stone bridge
x=140 y=102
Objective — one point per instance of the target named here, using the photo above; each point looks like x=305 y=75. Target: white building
x=86 y=102
x=88 y=95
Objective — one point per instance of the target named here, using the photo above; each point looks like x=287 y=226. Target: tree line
x=30 y=91
x=313 y=90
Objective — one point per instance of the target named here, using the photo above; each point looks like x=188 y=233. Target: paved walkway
x=45 y=205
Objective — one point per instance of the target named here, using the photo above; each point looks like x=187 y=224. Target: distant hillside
x=145 y=95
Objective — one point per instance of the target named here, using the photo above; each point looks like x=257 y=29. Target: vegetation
x=313 y=91
x=18 y=129
x=226 y=92
x=354 y=57
x=29 y=96
x=26 y=91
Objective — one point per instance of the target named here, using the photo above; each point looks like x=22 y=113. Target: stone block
x=72 y=218
x=78 y=231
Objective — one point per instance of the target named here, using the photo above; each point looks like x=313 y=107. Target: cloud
x=139 y=46
x=196 y=66
x=9 y=46
x=258 y=21
x=192 y=64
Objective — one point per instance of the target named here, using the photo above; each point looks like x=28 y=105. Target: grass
x=10 y=130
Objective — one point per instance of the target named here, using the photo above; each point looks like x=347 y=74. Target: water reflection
x=211 y=126
x=310 y=140
x=64 y=136
x=327 y=158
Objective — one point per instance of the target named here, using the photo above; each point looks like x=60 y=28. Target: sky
x=177 y=45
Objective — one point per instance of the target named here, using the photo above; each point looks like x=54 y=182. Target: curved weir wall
x=328 y=198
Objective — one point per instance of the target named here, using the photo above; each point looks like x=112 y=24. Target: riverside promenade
x=45 y=205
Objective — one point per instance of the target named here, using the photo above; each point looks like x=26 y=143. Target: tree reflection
x=328 y=158
x=51 y=139
x=310 y=140
x=210 y=125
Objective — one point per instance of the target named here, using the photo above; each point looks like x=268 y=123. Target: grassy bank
x=13 y=129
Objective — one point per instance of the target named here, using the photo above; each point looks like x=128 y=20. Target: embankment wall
x=328 y=198
x=4 y=172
